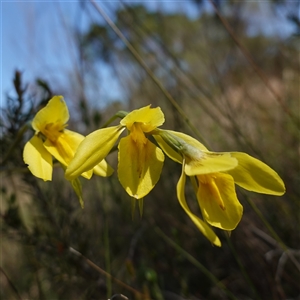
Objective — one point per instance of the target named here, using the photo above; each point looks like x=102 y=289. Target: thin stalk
x=120 y=114
x=196 y=263
x=141 y=206
x=133 y=203
x=107 y=258
x=247 y=278
x=11 y=285
x=147 y=69
x=273 y=233
x=256 y=68
x=108 y=275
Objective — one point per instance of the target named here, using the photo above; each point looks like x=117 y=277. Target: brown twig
x=11 y=284
x=101 y=271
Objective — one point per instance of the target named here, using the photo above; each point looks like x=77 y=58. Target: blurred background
x=225 y=72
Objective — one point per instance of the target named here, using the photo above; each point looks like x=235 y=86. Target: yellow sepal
x=38 y=159
x=254 y=175
x=93 y=149
x=205 y=229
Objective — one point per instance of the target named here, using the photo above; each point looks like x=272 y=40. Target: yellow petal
x=150 y=118
x=64 y=148
x=93 y=149
x=38 y=159
x=167 y=149
x=55 y=112
x=202 y=226
x=218 y=201
x=254 y=175
x=103 y=169
x=209 y=162
x=140 y=165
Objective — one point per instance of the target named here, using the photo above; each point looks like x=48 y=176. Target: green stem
x=120 y=114
x=196 y=263
x=141 y=206
x=133 y=203
x=107 y=259
x=247 y=278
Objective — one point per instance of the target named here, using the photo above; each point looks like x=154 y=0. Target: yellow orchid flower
x=140 y=161
x=51 y=138
x=216 y=175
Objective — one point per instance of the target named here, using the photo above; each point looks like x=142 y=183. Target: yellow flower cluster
x=51 y=138
x=140 y=162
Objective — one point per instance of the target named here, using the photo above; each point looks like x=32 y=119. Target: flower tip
x=217 y=242
x=283 y=190
x=281 y=187
x=47 y=179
